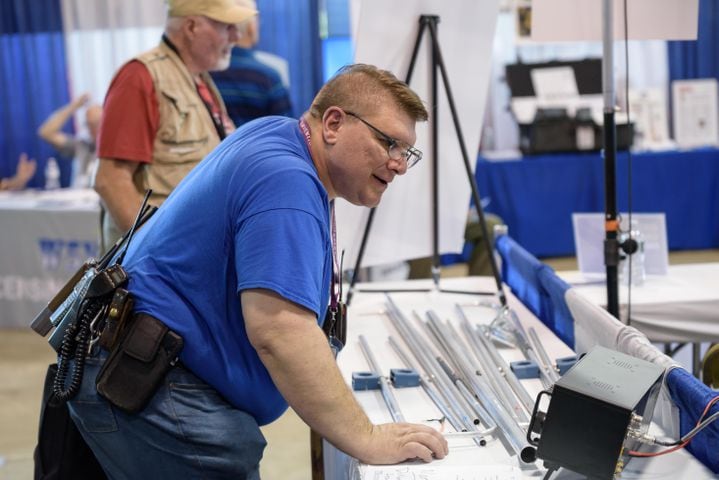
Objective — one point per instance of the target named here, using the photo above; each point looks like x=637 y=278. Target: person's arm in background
x=127 y=132
x=23 y=173
x=295 y=351
x=51 y=129
x=114 y=183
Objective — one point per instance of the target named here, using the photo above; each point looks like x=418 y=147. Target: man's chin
x=222 y=64
x=368 y=202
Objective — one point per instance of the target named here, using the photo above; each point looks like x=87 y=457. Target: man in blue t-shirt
x=239 y=263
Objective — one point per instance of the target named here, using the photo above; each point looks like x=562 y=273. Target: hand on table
x=392 y=443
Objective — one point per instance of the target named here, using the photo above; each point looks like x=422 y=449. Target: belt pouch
x=137 y=365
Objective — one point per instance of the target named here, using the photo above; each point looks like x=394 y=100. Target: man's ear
x=332 y=121
x=189 y=26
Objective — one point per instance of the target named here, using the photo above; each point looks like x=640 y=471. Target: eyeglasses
x=394 y=147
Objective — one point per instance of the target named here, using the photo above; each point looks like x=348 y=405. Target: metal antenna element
x=383 y=382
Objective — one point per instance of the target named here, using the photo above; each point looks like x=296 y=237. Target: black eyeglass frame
x=411 y=154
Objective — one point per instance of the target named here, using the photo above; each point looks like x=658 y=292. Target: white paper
x=589 y=241
x=445 y=472
x=695 y=112
x=581 y=20
x=648 y=109
x=386 y=34
x=554 y=83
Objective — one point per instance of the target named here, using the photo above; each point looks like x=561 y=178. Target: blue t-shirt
x=253 y=214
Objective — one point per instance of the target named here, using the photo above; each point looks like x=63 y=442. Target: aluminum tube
x=441 y=404
x=383 y=382
x=608 y=55
x=539 y=348
x=429 y=388
x=523 y=343
x=495 y=374
x=468 y=397
x=512 y=432
x=519 y=390
x=421 y=352
x=464 y=413
x=452 y=377
x=495 y=377
x=445 y=331
x=514 y=435
x=480 y=339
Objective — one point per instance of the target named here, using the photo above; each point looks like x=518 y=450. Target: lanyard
x=336 y=290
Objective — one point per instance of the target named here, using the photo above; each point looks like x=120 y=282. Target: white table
x=44 y=237
x=682 y=306
x=466 y=460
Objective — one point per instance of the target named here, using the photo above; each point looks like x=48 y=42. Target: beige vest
x=186 y=133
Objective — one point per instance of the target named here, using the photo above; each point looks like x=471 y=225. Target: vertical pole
x=611 y=225
x=433 y=20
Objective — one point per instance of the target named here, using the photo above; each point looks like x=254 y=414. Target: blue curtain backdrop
x=33 y=81
x=698 y=58
x=290 y=29
x=33 y=74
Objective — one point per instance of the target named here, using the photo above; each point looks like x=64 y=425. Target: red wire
x=632 y=453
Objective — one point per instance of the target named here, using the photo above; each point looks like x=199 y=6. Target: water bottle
x=636 y=259
x=52 y=174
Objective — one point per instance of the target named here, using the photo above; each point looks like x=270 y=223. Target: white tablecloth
x=466 y=460
x=44 y=237
x=682 y=306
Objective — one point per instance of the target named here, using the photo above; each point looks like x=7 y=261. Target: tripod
x=429 y=23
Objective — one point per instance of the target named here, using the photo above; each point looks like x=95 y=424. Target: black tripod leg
x=467 y=166
x=423 y=21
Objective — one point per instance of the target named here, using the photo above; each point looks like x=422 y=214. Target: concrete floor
x=24 y=356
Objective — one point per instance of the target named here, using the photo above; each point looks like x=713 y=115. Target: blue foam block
x=404 y=377
x=525 y=369
x=365 y=381
x=565 y=363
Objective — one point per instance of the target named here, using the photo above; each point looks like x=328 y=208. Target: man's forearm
x=114 y=183
x=306 y=373
x=50 y=130
x=123 y=210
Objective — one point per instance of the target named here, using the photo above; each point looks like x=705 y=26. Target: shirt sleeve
x=130 y=116
x=283 y=250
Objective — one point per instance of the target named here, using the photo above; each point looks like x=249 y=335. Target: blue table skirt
x=537 y=195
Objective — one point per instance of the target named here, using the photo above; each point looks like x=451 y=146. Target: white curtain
x=101 y=35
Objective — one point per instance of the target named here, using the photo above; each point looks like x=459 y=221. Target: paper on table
x=444 y=472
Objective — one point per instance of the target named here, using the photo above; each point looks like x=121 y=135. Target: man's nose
x=234 y=34
x=399 y=165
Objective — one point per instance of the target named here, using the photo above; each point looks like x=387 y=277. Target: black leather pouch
x=137 y=365
x=119 y=315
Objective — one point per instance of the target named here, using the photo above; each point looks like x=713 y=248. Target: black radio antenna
x=135 y=225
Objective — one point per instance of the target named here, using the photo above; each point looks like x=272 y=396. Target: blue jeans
x=187 y=431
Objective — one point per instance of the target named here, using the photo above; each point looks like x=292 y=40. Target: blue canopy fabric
x=537 y=286
x=691 y=397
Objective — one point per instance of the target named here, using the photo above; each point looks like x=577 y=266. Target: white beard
x=222 y=64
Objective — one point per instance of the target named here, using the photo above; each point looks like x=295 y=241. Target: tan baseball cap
x=225 y=11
